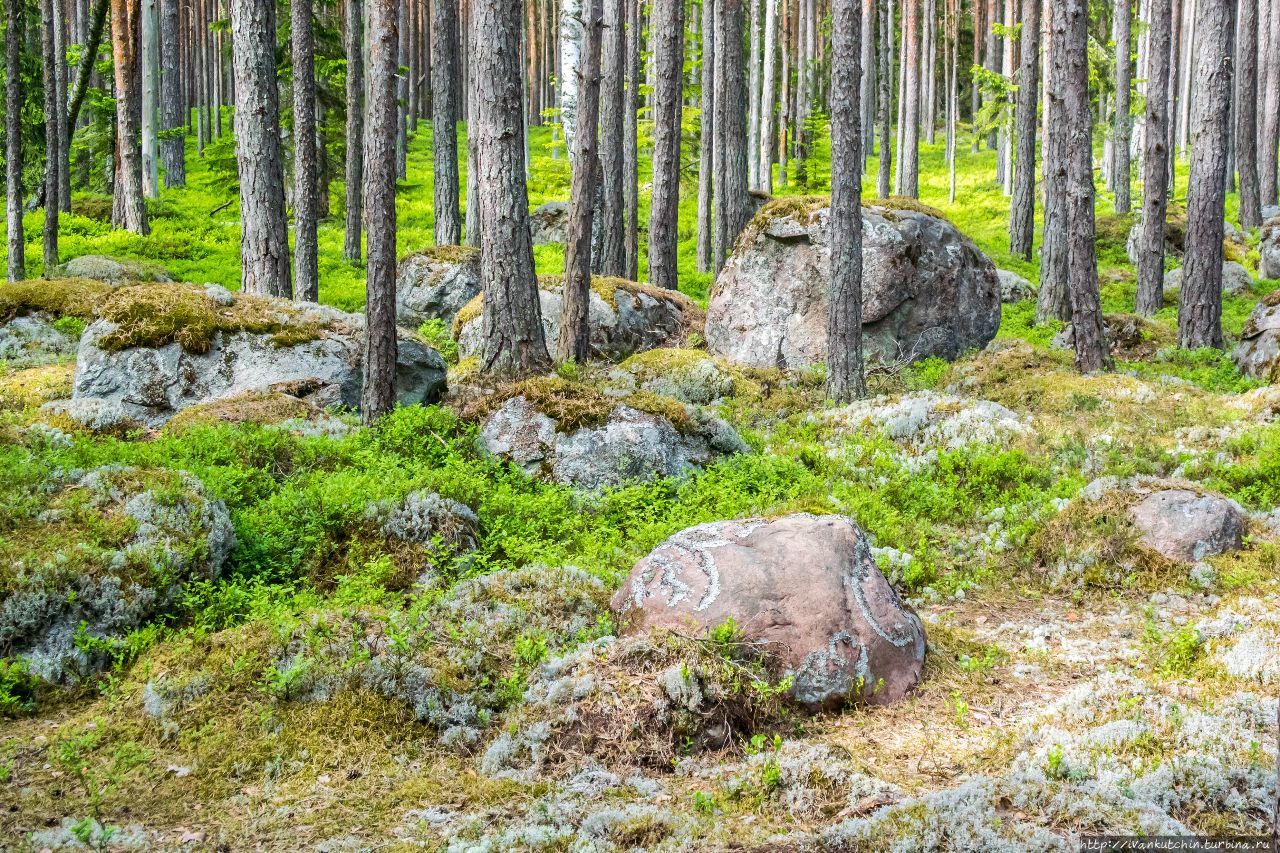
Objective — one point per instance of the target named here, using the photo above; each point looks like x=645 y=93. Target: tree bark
x=575 y=333
x=845 y=377
x=172 y=105
x=1270 y=136
x=1200 y=306
x=883 y=101
x=444 y=121
x=264 y=243
x=1054 y=302
x=1124 y=130
x=60 y=75
x=1155 y=162
x=910 y=183
x=514 y=344
x=732 y=203
x=631 y=147
x=378 y=396
x=92 y=42
x=1022 y=213
x=667 y=27
x=305 y=155
x=134 y=212
x=1082 y=261
x=764 y=162
x=351 y=248
x=54 y=161
x=17 y=263
x=706 y=138
x=150 y=59
x=753 y=93
x=1246 y=138
x=611 y=249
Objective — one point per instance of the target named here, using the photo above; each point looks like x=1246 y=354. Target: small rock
x=1187 y=527
x=1015 y=288
x=549 y=223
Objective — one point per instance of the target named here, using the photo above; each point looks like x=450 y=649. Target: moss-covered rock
x=103 y=268
x=624 y=317
x=35 y=386
x=97 y=556
x=252 y=407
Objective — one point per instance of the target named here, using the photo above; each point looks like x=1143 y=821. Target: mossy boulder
x=576 y=435
x=251 y=407
x=688 y=375
x=927 y=289
x=157 y=349
x=1235 y=280
x=34 y=386
x=1258 y=353
x=624 y=317
x=103 y=268
x=549 y=223
x=100 y=554
x=39 y=339
x=1269 y=250
x=435 y=283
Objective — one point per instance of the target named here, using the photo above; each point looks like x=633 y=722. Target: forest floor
x=1072 y=684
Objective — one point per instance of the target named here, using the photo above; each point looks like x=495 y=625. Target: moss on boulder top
x=574 y=405
x=804 y=209
x=447 y=254
x=253 y=407
x=63 y=297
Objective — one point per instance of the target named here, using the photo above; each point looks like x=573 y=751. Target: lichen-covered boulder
x=926 y=288
x=36 y=339
x=1258 y=353
x=1186 y=526
x=549 y=223
x=160 y=348
x=805 y=586
x=624 y=317
x=1269 y=250
x=927 y=422
x=1015 y=288
x=690 y=376
x=435 y=283
x=103 y=268
x=1235 y=279
x=107 y=551
x=595 y=441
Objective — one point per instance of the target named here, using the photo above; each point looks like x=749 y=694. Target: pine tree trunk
x=667 y=28
x=444 y=121
x=1200 y=306
x=1246 y=102
x=611 y=258
x=1054 y=302
x=768 y=96
x=264 y=244
x=351 y=248
x=975 y=103
x=150 y=58
x=305 y=155
x=1155 y=162
x=575 y=333
x=706 y=138
x=1270 y=136
x=172 y=105
x=134 y=212
x=991 y=52
x=867 y=92
x=1022 y=214
x=753 y=94
x=884 y=99
x=514 y=344
x=402 y=90
x=732 y=202
x=16 y=269
x=630 y=147
x=53 y=138
x=60 y=104
x=1007 y=69
x=845 y=377
x=378 y=397
x=910 y=183
x=1082 y=261
x=1123 y=130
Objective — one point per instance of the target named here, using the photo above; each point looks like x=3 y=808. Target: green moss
x=451 y=254
x=899 y=202
x=574 y=405
x=154 y=315
x=254 y=407
x=20 y=389
x=74 y=297
x=468 y=312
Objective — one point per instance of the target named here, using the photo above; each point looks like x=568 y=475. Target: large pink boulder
x=804 y=585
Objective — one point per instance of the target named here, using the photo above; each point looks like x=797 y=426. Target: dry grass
x=74 y=297
x=255 y=407
x=30 y=388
